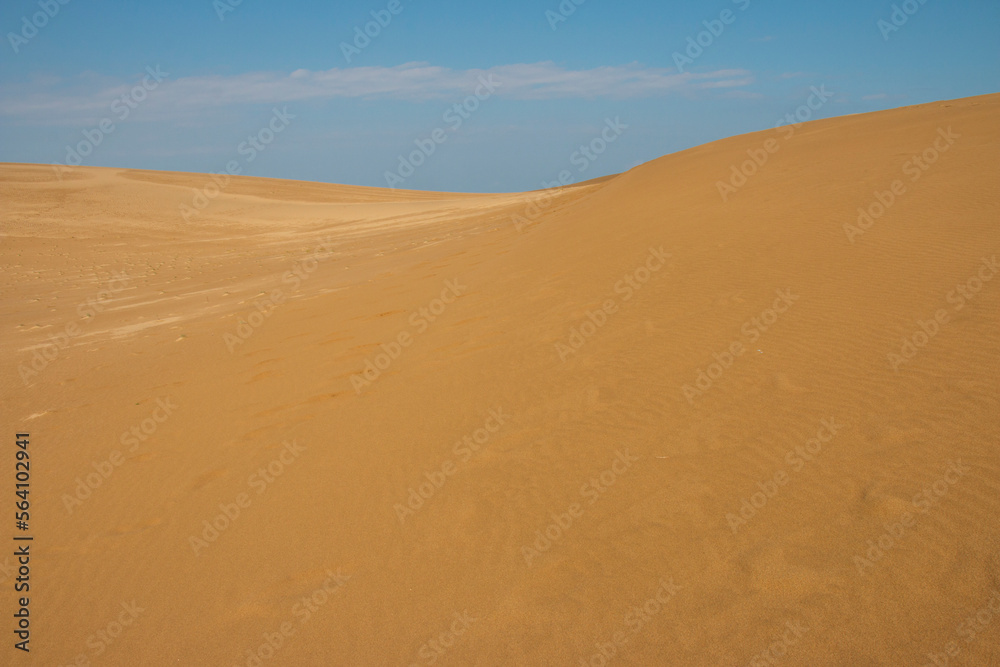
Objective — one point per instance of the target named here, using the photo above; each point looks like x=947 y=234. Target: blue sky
x=221 y=79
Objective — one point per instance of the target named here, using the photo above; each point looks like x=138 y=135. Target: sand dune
x=650 y=419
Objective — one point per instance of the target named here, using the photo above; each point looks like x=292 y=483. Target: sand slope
x=645 y=433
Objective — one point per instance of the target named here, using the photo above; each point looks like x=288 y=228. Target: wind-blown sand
x=709 y=500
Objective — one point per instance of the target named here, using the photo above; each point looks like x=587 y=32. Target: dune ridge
x=650 y=426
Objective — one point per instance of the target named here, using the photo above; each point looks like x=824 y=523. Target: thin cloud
x=52 y=101
x=727 y=83
x=743 y=95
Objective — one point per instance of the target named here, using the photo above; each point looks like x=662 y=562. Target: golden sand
x=652 y=416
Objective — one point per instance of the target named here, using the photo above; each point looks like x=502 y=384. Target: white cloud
x=53 y=101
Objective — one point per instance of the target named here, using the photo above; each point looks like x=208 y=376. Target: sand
x=643 y=425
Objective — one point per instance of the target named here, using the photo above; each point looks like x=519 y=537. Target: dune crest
x=647 y=419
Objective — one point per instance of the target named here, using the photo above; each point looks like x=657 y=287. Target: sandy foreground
x=648 y=422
